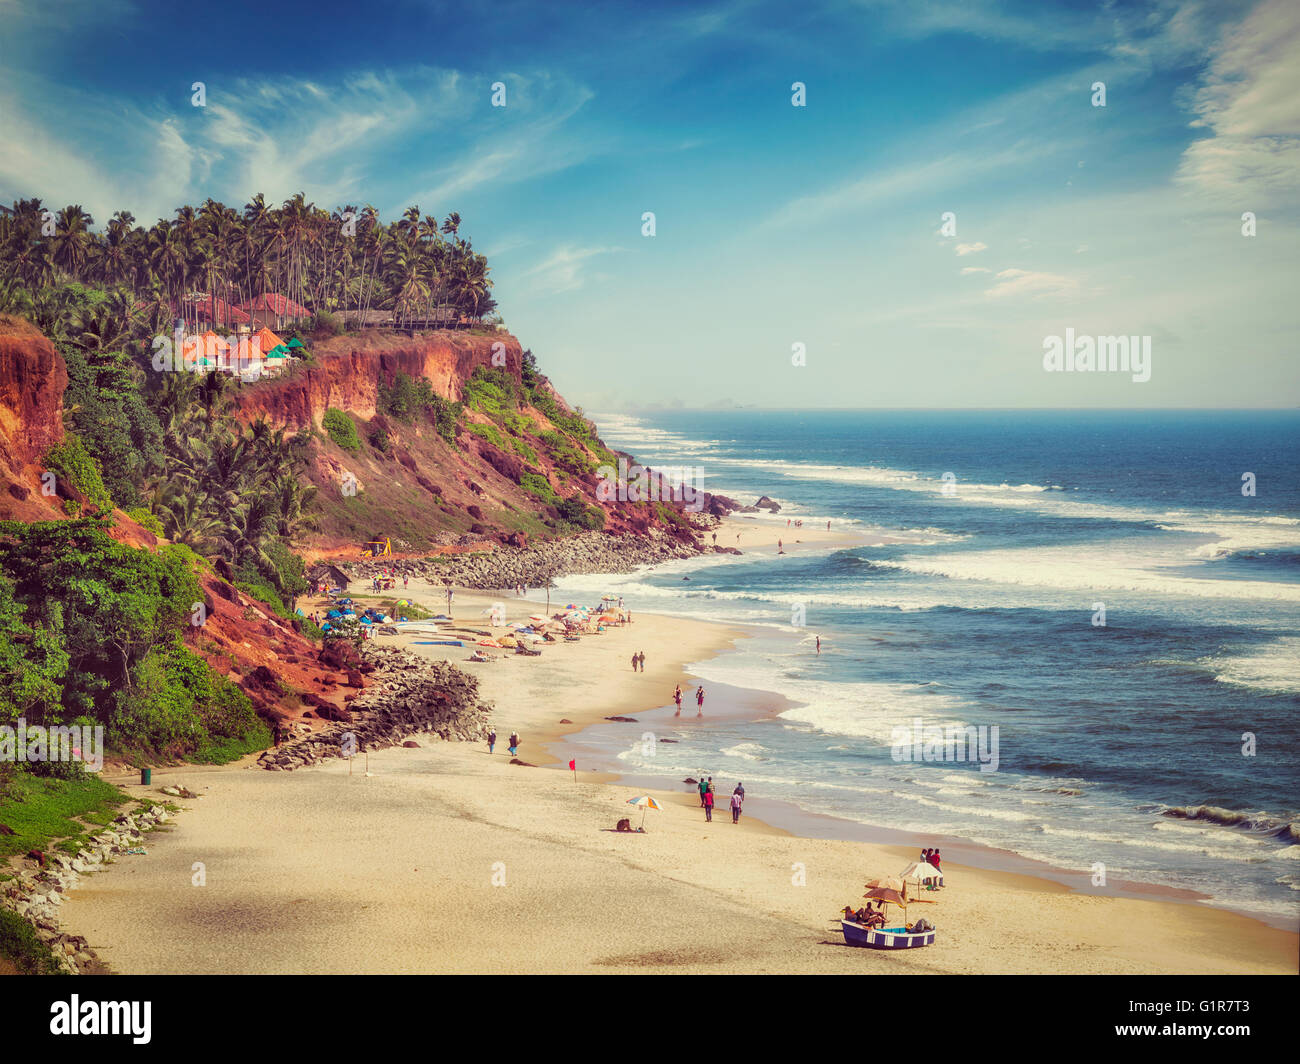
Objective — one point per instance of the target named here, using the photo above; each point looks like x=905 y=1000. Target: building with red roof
x=271 y=310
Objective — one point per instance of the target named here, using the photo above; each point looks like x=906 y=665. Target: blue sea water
x=973 y=602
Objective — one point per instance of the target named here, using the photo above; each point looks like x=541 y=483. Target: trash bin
x=146 y=776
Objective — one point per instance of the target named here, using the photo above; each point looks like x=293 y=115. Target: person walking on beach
x=492 y=739
x=641 y=658
x=514 y=744
x=704 y=789
x=677 y=697
x=699 y=700
x=735 y=807
x=819 y=644
x=635 y=659
x=708 y=805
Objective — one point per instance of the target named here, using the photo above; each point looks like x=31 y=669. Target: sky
x=776 y=225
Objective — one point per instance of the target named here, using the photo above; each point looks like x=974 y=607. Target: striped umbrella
x=645 y=802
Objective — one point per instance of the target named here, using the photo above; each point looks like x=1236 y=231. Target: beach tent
x=645 y=802
x=923 y=873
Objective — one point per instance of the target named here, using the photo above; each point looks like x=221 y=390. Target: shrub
x=487 y=432
x=74 y=464
x=19 y=944
x=325 y=324
x=577 y=512
x=146 y=519
x=341 y=429
x=536 y=484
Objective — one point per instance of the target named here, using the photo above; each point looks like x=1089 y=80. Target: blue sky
x=776 y=225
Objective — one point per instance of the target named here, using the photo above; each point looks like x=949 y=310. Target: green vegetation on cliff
x=94 y=638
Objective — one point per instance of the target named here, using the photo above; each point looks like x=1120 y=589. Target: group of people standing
x=929 y=856
x=699 y=700
x=492 y=741
x=707 y=799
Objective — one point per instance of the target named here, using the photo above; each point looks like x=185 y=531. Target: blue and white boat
x=884 y=937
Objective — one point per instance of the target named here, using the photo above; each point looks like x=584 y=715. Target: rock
x=623 y=720
x=565 y=720
x=768 y=504
x=411 y=744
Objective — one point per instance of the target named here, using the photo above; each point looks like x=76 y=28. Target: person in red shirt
x=708 y=805
x=934 y=860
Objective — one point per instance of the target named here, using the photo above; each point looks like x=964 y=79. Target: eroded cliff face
x=32 y=381
x=348 y=371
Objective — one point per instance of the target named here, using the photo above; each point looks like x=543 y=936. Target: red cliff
x=32 y=381
x=347 y=371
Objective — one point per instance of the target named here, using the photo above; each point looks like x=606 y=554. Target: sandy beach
x=446 y=859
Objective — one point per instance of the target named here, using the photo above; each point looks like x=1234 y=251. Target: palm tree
x=72 y=242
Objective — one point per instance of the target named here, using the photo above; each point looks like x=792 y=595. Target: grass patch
x=41 y=809
x=20 y=947
x=224 y=750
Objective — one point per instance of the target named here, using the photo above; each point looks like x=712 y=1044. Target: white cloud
x=1249 y=100
x=974 y=269
x=1015 y=282
x=971 y=249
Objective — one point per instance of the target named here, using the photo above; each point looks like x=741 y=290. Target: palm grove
x=90 y=629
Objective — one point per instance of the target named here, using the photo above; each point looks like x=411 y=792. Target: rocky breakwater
x=35 y=894
x=532 y=566
x=405 y=695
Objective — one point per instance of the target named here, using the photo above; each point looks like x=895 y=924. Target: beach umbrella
x=645 y=802
x=922 y=873
x=892 y=890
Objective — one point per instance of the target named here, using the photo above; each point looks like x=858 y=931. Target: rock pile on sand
x=509 y=566
x=36 y=894
x=404 y=695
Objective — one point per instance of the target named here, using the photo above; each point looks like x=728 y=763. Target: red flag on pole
x=573 y=767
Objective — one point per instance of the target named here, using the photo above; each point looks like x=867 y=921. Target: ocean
x=1161 y=744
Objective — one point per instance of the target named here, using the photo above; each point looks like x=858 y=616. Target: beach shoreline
x=760 y=896
x=715 y=638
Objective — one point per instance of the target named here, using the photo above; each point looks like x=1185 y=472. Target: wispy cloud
x=1013 y=282
x=564 y=269
x=971 y=249
x=1249 y=100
